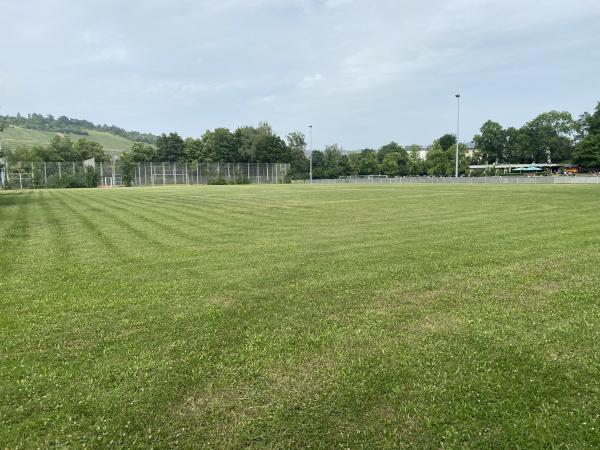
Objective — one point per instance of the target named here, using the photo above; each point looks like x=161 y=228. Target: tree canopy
x=552 y=136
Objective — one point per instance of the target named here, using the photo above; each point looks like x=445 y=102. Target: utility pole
x=311 y=151
x=457 y=131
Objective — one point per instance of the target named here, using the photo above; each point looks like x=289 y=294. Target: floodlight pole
x=457 y=131
x=311 y=152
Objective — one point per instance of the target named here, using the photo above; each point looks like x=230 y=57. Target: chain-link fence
x=47 y=175
x=34 y=175
x=164 y=173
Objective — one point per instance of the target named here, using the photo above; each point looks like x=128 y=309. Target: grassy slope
x=14 y=136
x=428 y=316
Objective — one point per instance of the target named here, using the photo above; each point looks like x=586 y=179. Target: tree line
x=550 y=137
x=553 y=136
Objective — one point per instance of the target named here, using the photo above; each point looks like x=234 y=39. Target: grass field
x=297 y=316
x=15 y=136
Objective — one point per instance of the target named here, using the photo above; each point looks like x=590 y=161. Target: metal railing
x=557 y=179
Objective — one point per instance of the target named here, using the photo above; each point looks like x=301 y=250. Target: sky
x=362 y=72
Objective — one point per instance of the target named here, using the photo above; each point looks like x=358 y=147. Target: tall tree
x=491 y=143
x=248 y=137
x=61 y=149
x=548 y=137
x=141 y=152
x=369 y=163
x=271 y=148
x=438 y=163
x=416 y=166
x=86 y=149
x=169 y=147
x=299 y=163
x=220 y=145
x=335 y=162
x=447 y=141
x=192 y=149
x=392 y=147
x=587 y=152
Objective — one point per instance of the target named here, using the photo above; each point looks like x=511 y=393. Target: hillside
x=14 y=136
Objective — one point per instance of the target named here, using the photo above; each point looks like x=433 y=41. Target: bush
x=92 y=178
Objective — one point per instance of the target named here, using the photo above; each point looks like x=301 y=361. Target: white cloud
x=337 y=62
x=310 y=80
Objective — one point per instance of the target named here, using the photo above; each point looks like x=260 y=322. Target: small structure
x=509 y=168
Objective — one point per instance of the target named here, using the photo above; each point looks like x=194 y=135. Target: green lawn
x=301 y=316
x=15 y=136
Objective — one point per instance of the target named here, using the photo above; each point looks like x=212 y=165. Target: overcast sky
x=362 y=72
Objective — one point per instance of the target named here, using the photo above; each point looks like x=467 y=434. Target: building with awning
x=523 y=168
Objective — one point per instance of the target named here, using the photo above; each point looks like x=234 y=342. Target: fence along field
x=77 y=174
x=91 y=174
x=348 y=316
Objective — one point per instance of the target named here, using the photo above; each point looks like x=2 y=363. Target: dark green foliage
x=447 y=141
x=331 y=163
x=299 y=164
x=416 y=166
x=193 y=150
x=218 y=181
x=442 y=163
x=169 y=147
x=247 y=139
x=141 y=152
x=127 y=167
x=92 y=177
x=392 y=147
x=491 y=143
x=587 y=152
x=270 y=147
x=82 y=178
x=547 y=138
x=86 y=149
x=220 y=145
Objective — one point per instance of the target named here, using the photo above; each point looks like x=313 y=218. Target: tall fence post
x=59 y=171
x=164 y=175
x=45 y=176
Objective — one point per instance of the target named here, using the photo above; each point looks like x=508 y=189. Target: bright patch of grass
x=15 y=136
x=296 y=316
